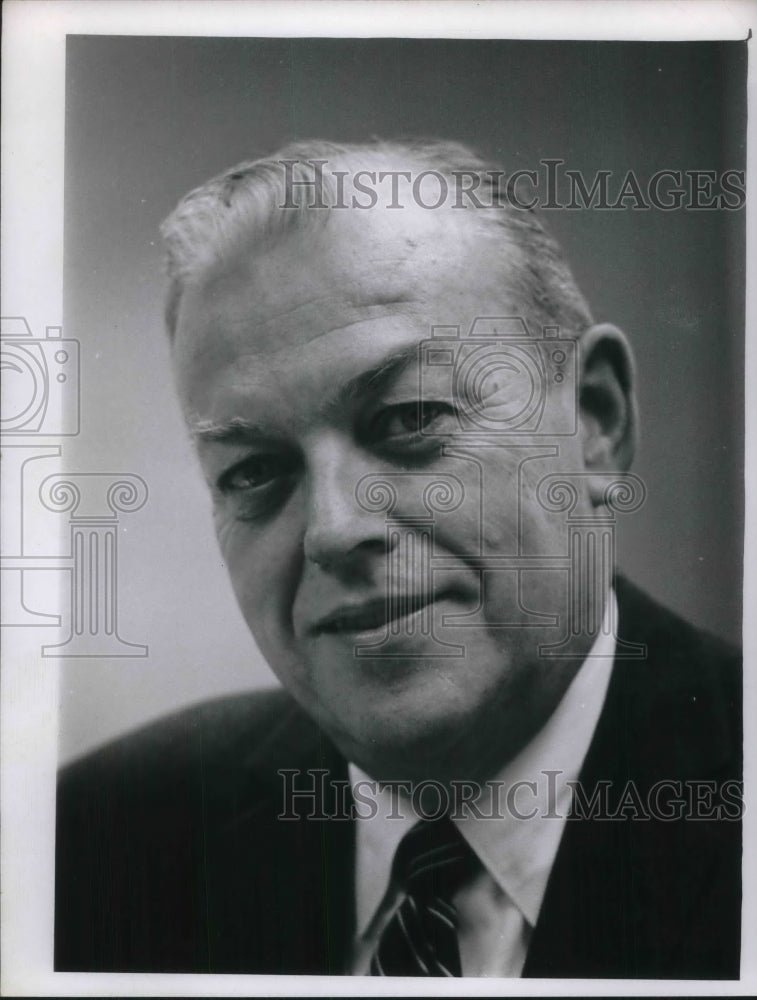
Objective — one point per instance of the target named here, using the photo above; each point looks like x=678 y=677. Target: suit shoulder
x=671 y=637
x=240 y=735
x=688 y=682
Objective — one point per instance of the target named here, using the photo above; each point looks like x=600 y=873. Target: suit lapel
x=621 y=900
x=623 y=893
x=280 y=868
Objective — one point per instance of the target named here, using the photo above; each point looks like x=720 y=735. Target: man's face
x=299 y=374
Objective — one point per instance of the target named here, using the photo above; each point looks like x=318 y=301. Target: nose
x=339 y=532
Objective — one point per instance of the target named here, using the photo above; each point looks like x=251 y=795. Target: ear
x=607 y=401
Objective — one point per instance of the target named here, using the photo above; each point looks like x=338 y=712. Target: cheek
x=502 y=512
x=541 y=532
x=482 y=516
x=264 y=566
x=489 y=521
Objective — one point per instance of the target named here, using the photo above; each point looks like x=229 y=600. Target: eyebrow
x=373 y=380
x=239 y=430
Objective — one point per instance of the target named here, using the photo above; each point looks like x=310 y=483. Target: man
x=489 y=757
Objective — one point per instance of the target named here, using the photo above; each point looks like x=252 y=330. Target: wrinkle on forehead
x=359 y=253
x=255 y=308
x=359 y=268
x=244 y=342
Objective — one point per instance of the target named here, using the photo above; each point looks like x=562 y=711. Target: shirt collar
x=518 y=846
x=514 y=829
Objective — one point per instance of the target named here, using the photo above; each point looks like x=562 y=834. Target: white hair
x=246 y=202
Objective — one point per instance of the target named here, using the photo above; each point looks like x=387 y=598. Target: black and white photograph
x=375 y=460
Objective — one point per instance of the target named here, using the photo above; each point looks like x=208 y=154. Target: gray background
x=149 y=118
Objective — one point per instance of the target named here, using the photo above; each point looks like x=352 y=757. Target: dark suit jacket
x=170 y=855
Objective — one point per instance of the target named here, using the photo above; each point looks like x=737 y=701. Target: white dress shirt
x=514 y=830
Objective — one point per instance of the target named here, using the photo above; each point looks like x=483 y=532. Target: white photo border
x=33 y=80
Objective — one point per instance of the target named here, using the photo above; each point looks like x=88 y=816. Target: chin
x=410 y=741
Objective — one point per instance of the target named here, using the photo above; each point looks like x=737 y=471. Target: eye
x=412 y=424
x=257 y=485
x=253 y=473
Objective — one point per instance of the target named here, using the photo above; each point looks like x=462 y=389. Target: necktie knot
x=433 y=858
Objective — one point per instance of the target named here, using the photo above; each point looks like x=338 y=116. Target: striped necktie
x=431 y=863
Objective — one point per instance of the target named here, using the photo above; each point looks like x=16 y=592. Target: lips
x=369 y=615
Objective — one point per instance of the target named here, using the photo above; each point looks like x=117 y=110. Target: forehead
x=340 y=285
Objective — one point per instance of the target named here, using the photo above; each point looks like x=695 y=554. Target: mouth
x=368 y=616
